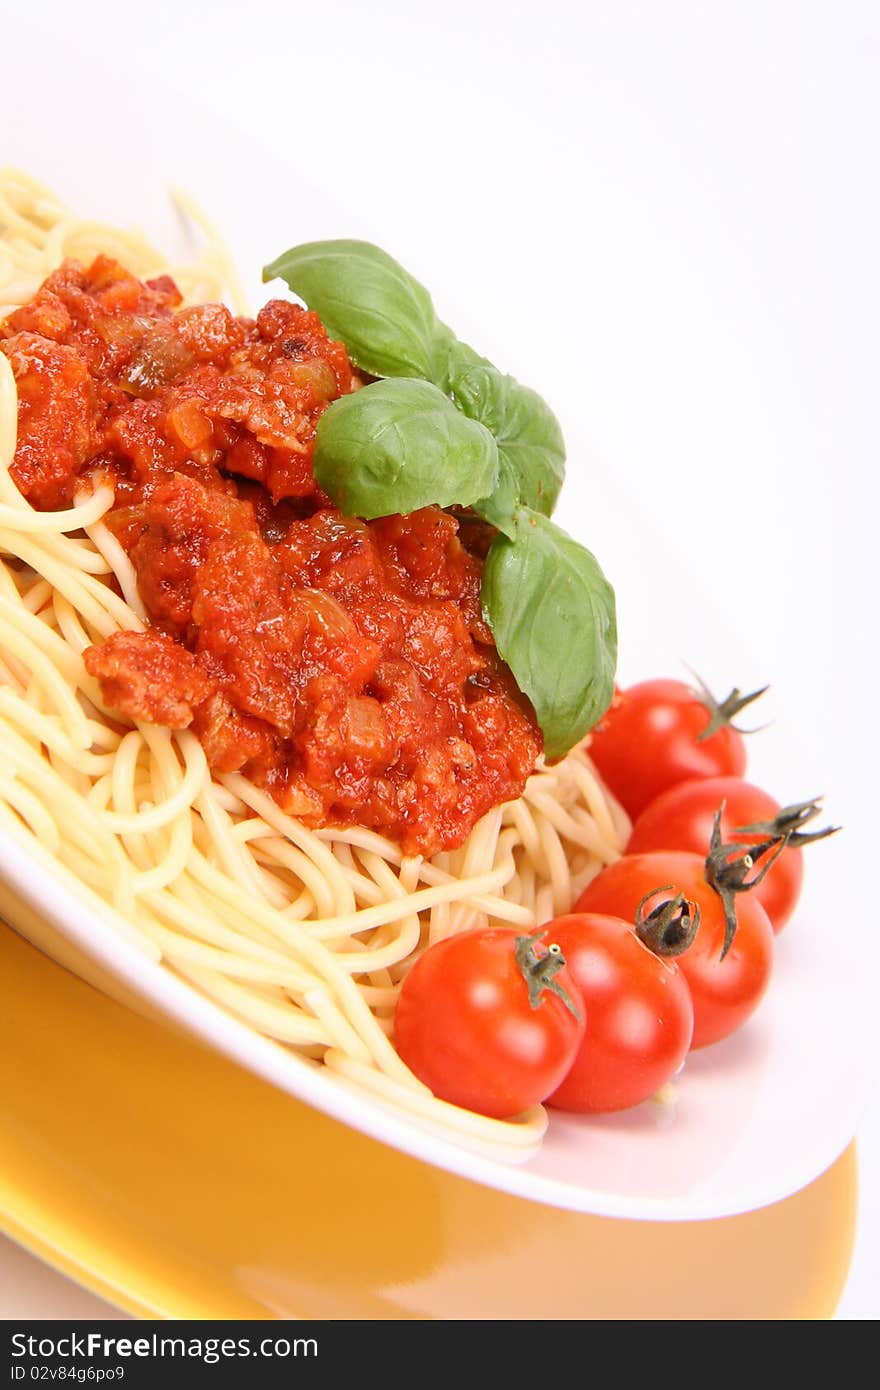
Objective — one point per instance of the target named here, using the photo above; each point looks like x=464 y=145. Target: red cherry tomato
x=725 y=992
x=640 y=1018
x=465 y=1025
x=649 y=740
x=682 y=817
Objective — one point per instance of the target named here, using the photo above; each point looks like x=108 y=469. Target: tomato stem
x=723 y=712
x=539 y=972
x=728 y=868
x=671 y=926
x=789 y=822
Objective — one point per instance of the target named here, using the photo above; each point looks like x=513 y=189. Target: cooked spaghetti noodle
x=304 y=934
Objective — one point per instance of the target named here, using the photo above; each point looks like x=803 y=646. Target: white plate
x=758 y=1116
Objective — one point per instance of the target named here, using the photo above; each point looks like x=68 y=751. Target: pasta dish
x=270 y=739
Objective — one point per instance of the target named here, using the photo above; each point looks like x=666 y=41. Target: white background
x=668 y=215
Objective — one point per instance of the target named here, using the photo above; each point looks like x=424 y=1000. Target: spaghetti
x=304 y=934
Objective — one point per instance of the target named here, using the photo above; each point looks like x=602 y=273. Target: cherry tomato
x=640 y=1018
x=649 y=740
x=466 y=1026
x=682 y=817
x=725 y=992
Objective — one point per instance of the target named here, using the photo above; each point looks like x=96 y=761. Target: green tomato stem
x=728 y=868
x=671 y=926
x=790 y=821
x=539 y=972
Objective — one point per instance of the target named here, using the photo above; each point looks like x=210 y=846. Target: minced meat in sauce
x=344 y=665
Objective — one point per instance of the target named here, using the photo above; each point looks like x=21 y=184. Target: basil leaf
x=531 y=450
x=398 y=445
x=387 y=321
x=365 y=298
x=551 y=611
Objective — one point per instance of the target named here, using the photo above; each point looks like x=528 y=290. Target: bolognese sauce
x=344 y=665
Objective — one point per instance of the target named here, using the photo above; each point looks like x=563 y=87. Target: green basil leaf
x=551 y=611
x=398 y=445
x=365 y=298
x=387 y=321
x=531 y=450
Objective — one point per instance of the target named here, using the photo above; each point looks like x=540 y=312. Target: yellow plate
x=168 y=1180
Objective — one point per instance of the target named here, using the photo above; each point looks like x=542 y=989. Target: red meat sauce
x=343 y=665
